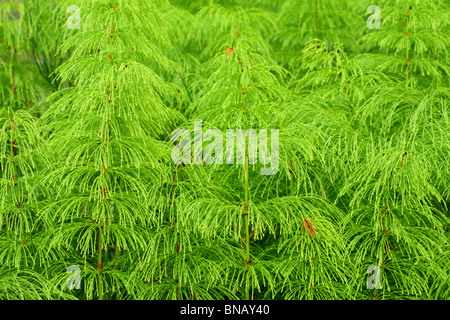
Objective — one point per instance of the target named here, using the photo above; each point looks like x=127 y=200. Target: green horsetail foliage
x=221 y=149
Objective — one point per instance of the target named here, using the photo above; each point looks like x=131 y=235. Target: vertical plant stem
x=247 y=238
x=15 y=178
x=316 y=20
x=13 y=173
x=246 y=199
x=100 y=263
x=408 y=47
x=291 y=179
x=10 y=70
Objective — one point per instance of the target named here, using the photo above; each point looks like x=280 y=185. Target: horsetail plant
x=222 y=149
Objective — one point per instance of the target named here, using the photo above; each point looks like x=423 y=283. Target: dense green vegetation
x=87 y=181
